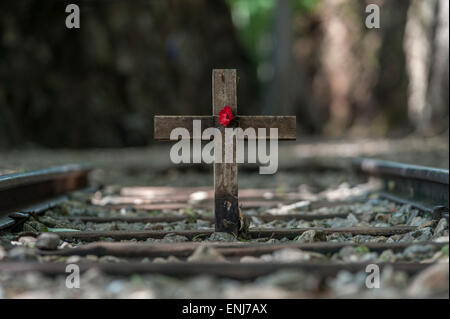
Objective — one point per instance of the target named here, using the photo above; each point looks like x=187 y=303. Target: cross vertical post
x=226 y=203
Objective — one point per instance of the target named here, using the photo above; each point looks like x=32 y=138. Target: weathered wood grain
x=226 y=203
x=286 y=125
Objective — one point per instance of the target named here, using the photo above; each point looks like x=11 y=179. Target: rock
x=392 y=278
x=399 y=217
x=91 y=258
x=48 y=221
x=383 y=217
x=416 y=221
x=295 y=255
x=115 y=287
x=430 y=282
x=159 y=260
x=387 y=256
x=290 y=279
x=73 y=259
x=347 y=283
x=3 y=253
x=423 y=234
x=406 y=238
x=27 y=241
x=441 y=228
x=443 y=239
x=250 y=259
x=357 y=254
x=311 y=236
x=352 y=220
x=427 y=223
x=173 y=259
x=174 y=238
x=204 y=253
x=109 y=259
x=415 y=251
x=34 y=226
x=142 y=294
x=218 y=236
x=47 y=241
x=22 y=254
x=339 y=237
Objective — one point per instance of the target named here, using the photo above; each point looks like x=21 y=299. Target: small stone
x=381 y=217
x=115 y=287
x=3 y=253
x=173 y=259
x=415 y=251
x=250 y=259
x=205 y=253
x=295 y=255
x=310 y=236
x=387 y=256
x=109 y=259
x=159 y=260
x=92 y=258
x=142 y=294
x=352 y=220
x=290 y=279
x=21 y=254
x=431 y=281
x=338 y=237
x=427 y=223
x=442 y=239
x=416 y=221
x=398 y=218
x=218 y=236
x=73 y=259
x=423 y=234
x=174 y=238
x=47 y=241
x=27 y=241
x=441 y=228
x=392 y=278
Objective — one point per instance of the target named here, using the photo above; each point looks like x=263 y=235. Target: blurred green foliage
x=254 y=22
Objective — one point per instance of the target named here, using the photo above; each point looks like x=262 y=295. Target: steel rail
x=425 y=188
x=35 y=191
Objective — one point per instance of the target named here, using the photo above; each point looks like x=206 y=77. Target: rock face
x=48 y=241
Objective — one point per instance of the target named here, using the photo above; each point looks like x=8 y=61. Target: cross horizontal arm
x=286 y=124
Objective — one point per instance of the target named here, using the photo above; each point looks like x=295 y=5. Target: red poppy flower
x=226 y=116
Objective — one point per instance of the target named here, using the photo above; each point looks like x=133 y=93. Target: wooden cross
x=227 y=217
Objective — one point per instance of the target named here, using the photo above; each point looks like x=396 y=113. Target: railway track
x=402 y=225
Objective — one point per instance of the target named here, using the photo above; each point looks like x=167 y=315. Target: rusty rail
x=37 y=190
x=425 y=188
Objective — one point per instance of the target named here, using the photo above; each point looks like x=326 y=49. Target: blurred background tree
x=101 y=85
